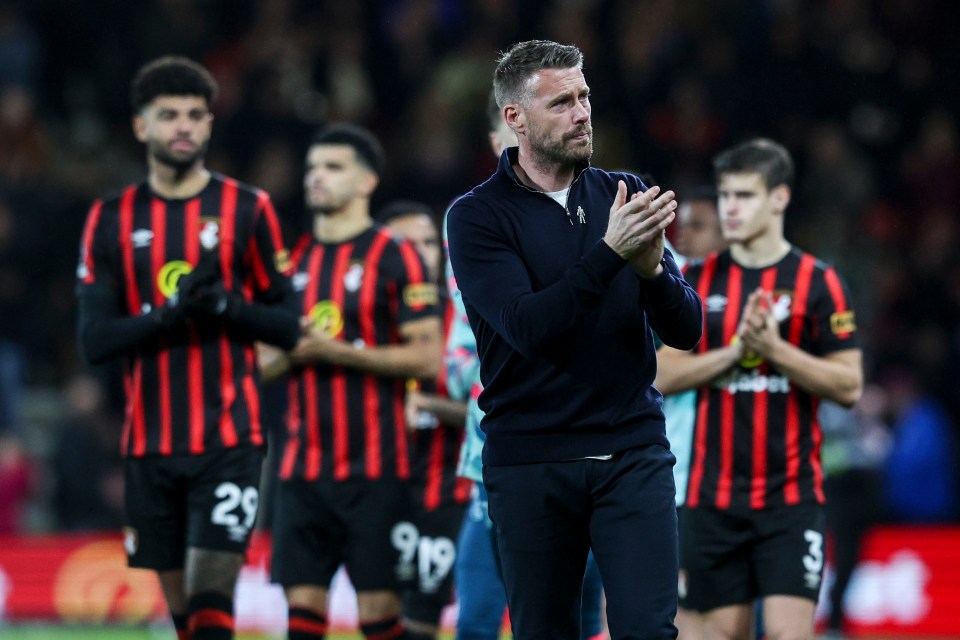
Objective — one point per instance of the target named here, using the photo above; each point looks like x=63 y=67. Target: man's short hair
x=760 y=155
x=368 y=149
x=401 y=208
x=515 y=68
x=171 y=76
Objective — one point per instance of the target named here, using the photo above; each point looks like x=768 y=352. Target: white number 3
x=231 y=496
x=813 y=560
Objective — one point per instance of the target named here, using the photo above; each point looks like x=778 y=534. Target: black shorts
x=428 y=551
x=732 y=558
x=323 y=524
x=207 y=501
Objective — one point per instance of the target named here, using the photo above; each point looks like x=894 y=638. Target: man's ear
x=139 y=127
x=515 y=117
x=370 y=183
x=780 y=196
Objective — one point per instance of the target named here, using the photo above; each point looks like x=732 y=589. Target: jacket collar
x=509 y=156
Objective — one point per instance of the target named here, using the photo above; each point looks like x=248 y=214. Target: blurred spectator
x=20 y=49
x=855 y=445
x=16 y=482
x=25 y=158
x=89 y=474
x=921 y=472
x=14 y=306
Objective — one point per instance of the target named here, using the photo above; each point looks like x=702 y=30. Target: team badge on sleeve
x=420 y=294
x=843 y=322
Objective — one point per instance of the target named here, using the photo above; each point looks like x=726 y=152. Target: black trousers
x=548 y=515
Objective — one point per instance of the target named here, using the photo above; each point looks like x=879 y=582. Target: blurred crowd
x=861 y=91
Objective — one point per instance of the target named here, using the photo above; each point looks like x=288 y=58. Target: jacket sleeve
x=494 y=281
x=674 y=308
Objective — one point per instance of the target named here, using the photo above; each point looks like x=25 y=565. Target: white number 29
x=231 y=496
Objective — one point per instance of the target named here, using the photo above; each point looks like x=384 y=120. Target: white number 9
x=404 y=536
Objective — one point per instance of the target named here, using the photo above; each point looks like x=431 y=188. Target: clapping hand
x=759 y=330
x=636 y=227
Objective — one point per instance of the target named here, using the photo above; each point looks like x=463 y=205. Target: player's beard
x=329 y=206
x=559 y=150
x=178 y=163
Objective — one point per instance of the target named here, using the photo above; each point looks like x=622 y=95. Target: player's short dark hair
x=766 y=157
x=171 y=76
x=524 y=59
x=401 y=208
x=368 y=149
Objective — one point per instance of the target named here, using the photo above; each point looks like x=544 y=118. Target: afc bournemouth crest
x=209 y=233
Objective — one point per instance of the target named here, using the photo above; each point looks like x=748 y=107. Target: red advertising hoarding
x=907 y=584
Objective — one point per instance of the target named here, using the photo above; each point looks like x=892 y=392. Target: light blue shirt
x=680 y=411
x=463 y=377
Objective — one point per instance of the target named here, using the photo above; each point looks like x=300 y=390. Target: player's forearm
x=417 y=360
x=276 y=324
x=102 y=335
x=447 y=411
x=838 y=377
x=680 y=370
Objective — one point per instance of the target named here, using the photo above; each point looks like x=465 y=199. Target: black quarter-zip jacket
x=564 y=326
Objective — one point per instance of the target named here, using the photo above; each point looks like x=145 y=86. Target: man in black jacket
x=564 y=277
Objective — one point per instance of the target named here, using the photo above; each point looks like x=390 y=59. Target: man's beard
x=553 y=151
x=326 y=208
x=178 y=163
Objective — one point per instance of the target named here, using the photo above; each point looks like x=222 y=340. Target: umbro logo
x=715 y=303
x=141 y=238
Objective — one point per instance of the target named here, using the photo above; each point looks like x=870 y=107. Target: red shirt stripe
x=312 y=415
x=415 y=275
x=703 y=404
x=126 y=249
x=294 y=417
x=799 y=311
x=338 y=383
x=371 y=393
x=135 y=412
x=228 y=389
x=158 y=224
x=195 y=391
x=758 y=484
x=731 y=318
x=89 y=230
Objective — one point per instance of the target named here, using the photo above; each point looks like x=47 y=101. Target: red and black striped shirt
x=194 y=389
x=344 y=423
x=436 y=449
x=757 y=437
